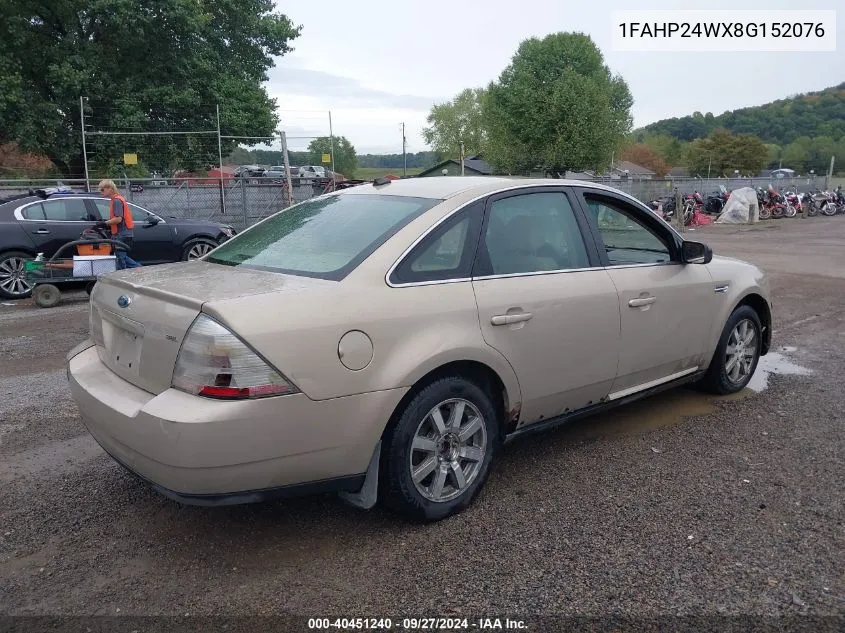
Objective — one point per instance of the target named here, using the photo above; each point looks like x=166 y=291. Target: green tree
x=722 y=153
x=556 y=107
x=157 y=65
x=345 y=160
x=796 y=155
x=821 y=149
x=782 y=122
x=455 y=122
x=670 y=149
x=775 y=153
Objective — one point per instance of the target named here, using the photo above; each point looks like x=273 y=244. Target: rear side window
x=325 y=237
x=533 y=232
x=66 y=210
x=446 y=253
x=34 y=212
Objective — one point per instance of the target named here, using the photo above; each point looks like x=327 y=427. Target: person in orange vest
x=120 y=223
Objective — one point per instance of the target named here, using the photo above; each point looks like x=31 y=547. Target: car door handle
x=642 y=301
x=41 y=232
x=507 y=319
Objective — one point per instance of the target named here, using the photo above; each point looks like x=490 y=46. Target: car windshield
x=325 y=237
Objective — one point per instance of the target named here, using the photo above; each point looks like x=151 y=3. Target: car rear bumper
x=212 y=452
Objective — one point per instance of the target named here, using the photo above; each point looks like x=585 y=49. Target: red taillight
x=236 y=393
x=224 y=392
x=214 y=363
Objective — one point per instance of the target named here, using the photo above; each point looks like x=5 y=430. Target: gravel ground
x=677 y=505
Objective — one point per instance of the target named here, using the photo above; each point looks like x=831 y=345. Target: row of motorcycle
x=786 y=203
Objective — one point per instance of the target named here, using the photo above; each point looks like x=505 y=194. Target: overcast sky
x=377 y=64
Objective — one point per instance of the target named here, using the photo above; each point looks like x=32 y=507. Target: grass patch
x=368 y=173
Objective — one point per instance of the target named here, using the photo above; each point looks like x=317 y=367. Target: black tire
x=46 y=296
x=13 y=286
x=778 y=212
x=201 y=244
x=397 y=488
x=812 y=211
x=89 y=287
x=717 y=379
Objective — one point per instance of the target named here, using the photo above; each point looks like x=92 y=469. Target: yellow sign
x=130 y=159
x=327 y=158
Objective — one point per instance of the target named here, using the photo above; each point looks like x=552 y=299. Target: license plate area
x=123 y=346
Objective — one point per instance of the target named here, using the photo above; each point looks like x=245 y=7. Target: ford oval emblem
x=123 y=301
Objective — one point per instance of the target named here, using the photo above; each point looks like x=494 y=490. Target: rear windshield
x=325 y=237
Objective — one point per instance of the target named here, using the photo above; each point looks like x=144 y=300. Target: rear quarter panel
x=413 y=331
x=13 y=237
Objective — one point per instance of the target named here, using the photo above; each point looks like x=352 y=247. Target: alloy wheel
x=199 y=249
x=741 y=352
x=12 y=278
x=448 y=450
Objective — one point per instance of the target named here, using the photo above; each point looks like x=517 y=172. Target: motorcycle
x=775 y=205
x=717 y=201
x=664 y=207
x=693 y=203
x=821 y=202
x=793 y=203
x=840 y=200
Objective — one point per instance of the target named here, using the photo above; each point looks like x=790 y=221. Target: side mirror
x=696 y=253
x=152 y=220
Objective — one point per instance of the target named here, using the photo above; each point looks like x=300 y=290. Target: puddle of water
x=775 y=363
x=671 y=407
x=664 y=409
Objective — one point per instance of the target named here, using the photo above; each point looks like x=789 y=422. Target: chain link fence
x=646 y=190
x=242 y=202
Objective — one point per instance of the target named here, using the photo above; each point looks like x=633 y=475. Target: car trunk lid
x=139 y=317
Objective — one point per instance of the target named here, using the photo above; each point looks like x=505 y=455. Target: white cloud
x=375 y=65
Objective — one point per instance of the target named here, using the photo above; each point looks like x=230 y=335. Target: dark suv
x=45 y=220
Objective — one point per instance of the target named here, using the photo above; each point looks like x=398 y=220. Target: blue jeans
x=123 y=259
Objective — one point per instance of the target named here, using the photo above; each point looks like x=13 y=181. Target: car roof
x=443 y=187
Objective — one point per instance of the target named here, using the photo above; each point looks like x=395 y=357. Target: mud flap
x=367 y=496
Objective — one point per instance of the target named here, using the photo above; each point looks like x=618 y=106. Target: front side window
x=138 y=214
x=626 y=239
x=325 y=237
x=103 y=209
x=534 y=232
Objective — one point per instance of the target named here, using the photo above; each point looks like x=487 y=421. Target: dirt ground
x=681 y=504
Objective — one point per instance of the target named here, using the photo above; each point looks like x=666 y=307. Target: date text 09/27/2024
x=721 y=29
x=417 y=624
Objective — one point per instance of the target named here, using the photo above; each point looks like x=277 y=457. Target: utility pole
x=220 y=157
x=404 y=154
x=709 y=163
x=331 y=140
x=286 y=162
x=829 y=173
x=462 y=158
x=84 y=148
